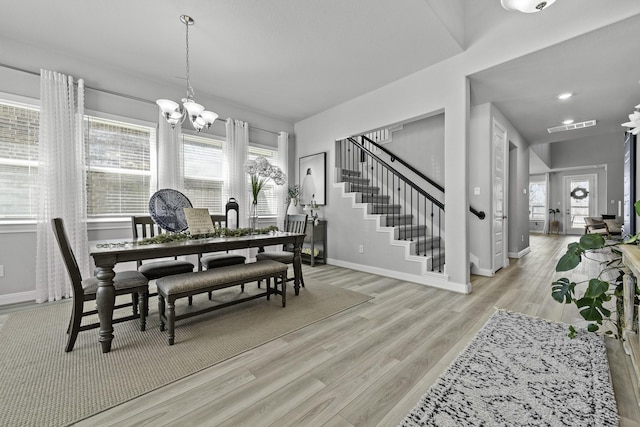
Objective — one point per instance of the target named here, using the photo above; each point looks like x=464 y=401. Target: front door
x=580 y=195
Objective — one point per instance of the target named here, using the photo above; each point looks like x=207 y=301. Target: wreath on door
x=579 y=193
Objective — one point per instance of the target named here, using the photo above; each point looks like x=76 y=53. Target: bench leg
x=171 y=320
x=161 y=311
x=268 y=289
x=144 y=299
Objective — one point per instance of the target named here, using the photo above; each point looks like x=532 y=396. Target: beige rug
x=41 y=385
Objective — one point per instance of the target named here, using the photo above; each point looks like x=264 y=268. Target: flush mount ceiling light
x=634 y=121
x=526 y=6
x=173 y=112
x=567 y=122
x=564 y=96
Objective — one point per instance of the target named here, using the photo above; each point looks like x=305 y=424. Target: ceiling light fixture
x=567 y=122
x=564 y=96
x=175 y=114
x=634 y=121
x=526 y=6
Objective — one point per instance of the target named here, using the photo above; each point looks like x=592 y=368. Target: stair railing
x=379 y=182
x=393 y=158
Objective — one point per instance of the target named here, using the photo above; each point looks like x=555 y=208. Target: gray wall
x=480 y=176
x=577 y=157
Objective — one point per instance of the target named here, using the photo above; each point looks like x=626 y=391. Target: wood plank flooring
x=369 y=365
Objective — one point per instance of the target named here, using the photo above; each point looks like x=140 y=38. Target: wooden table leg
x=297 y=267
x=105 y=300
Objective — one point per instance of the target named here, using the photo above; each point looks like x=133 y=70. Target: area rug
x=41 y=385
x=522 y=371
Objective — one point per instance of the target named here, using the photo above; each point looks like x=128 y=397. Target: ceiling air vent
x=572 y=126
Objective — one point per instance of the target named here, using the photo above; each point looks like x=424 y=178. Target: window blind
x=118 y=167
x=203 y=180
x=19 y=127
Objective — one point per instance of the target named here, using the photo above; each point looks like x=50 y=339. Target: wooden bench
x=171 y=288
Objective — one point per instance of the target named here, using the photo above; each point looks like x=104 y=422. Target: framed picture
x=312 y=170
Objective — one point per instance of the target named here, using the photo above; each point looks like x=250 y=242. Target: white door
x=500 y=258
x=580 y=201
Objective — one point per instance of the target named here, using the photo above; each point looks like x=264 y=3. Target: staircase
x=411 y=217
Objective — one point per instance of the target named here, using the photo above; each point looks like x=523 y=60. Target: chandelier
x=175 y=114
x=526 y=6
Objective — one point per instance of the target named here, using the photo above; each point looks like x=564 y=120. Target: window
x=268 y=197
x=19 y=127
x=203 y=180
x=120 y=159
x=537 y=200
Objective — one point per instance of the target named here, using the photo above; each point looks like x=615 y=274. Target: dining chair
x=219 y=259
x=126 y=282
x=142 y=226
x=293 y=224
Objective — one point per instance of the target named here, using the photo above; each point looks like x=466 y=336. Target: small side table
x=315 y=240
x=554 y=227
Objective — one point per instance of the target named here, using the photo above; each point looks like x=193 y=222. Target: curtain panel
x=61 y=183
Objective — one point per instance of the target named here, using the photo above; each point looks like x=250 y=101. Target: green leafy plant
x=601 y=289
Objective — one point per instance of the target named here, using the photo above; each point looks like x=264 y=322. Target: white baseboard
x=520 y=254
x=482 y=271
x=19 y=297
x=434 y=280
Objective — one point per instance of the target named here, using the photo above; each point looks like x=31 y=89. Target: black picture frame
x=313 y=178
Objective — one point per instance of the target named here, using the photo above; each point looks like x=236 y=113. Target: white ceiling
x=290 y=59
x=601 y=68
x=287 y=58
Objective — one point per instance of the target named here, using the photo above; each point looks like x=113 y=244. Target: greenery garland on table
x=220 y=232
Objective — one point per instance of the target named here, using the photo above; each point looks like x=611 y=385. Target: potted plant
x=592 y=301
x=553 y=224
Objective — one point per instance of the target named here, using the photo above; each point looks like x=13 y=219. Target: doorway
x=580 y=201
x=500 y=198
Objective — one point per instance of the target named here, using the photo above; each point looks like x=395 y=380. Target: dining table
x=107 y=253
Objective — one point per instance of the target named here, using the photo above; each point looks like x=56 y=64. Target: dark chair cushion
x=221 y=260
x=122 y=280
x=157 y=269
x=280 y=256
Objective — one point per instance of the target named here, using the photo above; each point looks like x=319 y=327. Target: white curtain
x=170 y=156
x=61 y=183
x=283 y=162
x=235 y=153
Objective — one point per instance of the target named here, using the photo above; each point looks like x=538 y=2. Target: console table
x=631 y=334
x=315 y=240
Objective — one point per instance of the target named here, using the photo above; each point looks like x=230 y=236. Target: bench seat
x=170 y=288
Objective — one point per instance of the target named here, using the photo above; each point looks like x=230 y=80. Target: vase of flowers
x=261 y=171
x=293 y=193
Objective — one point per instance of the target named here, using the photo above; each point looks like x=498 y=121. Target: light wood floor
x=369 y=365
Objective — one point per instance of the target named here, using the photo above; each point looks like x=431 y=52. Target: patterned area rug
x=522 y=371
x=41 y=385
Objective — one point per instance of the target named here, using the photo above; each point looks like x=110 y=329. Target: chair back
x=295 y=223
x=68 y=257
x=143 y=226
x=219 y=221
